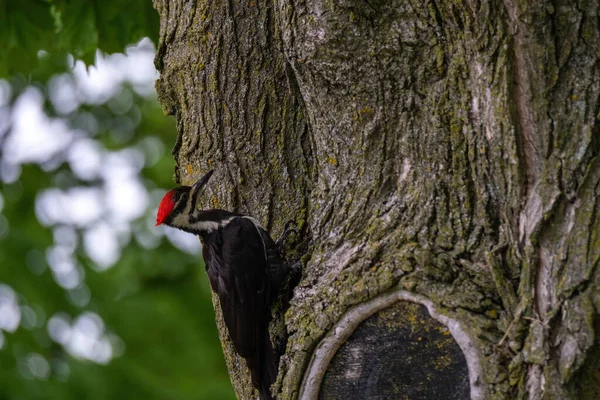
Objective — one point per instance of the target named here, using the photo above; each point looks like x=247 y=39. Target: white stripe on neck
x=182 y=221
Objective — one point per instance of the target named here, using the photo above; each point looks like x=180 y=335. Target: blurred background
x=95 y=301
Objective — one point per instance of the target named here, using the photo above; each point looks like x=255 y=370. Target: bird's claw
x=287 y=230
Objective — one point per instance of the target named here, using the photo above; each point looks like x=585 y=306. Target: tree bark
x=438 y=153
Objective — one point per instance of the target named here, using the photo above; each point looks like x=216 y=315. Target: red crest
x=166 y=206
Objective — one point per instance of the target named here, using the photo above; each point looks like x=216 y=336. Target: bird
x=245 y=270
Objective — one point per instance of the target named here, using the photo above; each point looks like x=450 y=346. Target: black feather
x=243 y=267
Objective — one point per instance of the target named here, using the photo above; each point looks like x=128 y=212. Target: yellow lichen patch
x=366 y=110
x=575 y=97
x=189 y=169
x=215 y=202
x=208 y=162
x=332 y=160
x=442 y=363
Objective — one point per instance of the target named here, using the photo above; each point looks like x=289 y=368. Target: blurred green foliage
x=155 y=302
x=34 y=29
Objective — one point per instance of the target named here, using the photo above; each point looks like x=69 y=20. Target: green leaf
x=78 y=34
x=77 y=27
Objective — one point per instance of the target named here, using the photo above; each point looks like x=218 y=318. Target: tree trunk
x=441 y=160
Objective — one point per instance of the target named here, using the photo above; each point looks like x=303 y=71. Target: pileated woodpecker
x=244 y=268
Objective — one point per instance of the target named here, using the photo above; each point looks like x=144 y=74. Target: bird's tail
x=263 y=368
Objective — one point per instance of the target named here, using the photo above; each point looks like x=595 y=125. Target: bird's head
x=180 y=201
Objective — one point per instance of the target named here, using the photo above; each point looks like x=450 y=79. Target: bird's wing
x=277 y=269
x=243 y=288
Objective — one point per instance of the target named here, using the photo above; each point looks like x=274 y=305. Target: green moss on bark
x=447 y=147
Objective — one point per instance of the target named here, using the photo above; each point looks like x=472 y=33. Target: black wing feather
x=238 y=276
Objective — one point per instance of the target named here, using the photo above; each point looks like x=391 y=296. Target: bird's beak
x=202 y=181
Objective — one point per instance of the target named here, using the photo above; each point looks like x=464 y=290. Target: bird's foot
x=287 y=231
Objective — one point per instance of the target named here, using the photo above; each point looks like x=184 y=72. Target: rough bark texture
x=440 y=152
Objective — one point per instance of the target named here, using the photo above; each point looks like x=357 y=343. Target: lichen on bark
x=446 y=148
